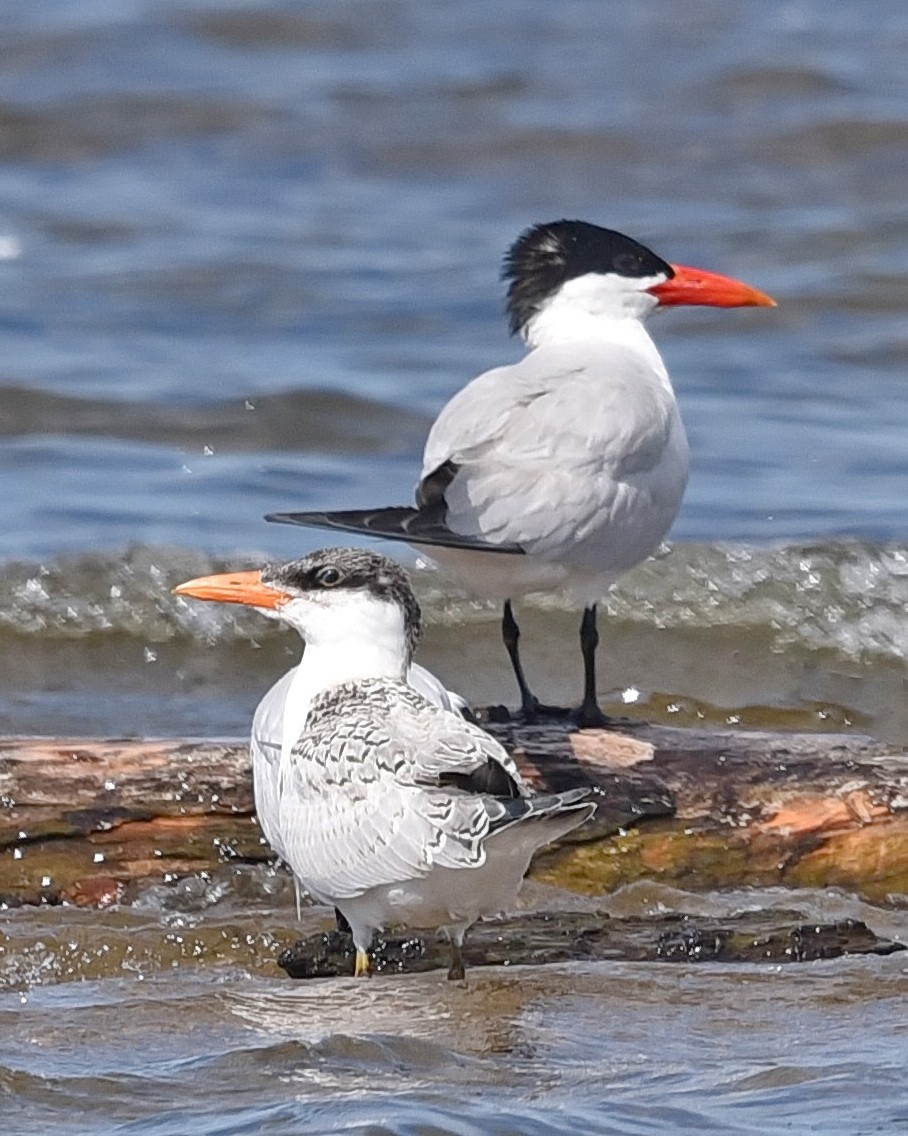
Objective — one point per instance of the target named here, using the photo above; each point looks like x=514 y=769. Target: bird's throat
x=378 y=651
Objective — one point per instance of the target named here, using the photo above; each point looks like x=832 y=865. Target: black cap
x=546 y=256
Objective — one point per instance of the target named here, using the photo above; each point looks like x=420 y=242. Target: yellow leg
x=362 y=968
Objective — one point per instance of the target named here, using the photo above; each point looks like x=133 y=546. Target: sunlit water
x=246 y=253
x=156 y=1022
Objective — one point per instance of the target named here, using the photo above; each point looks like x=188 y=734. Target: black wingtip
x=291 y=518
x=388 y=524
x=400 y=522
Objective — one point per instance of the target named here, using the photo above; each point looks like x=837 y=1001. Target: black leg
x=589 y=714
x=456 y=973
x=510 y=634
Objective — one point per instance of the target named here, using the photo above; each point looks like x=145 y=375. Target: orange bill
x=697 y=286
x=233 y=587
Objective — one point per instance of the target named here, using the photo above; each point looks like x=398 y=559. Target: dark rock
x=535 y=940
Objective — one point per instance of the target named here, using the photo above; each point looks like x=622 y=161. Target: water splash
x=848 y=597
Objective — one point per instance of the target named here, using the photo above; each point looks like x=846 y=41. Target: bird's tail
x=546 y=816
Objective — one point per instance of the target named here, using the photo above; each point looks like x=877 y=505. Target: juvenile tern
x=280 y=715
x=391 y=808
x=568 y=467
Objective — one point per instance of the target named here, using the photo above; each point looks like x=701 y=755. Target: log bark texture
x=92 y=821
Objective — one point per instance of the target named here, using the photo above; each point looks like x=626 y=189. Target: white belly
x=454 y=898
x=446 y=898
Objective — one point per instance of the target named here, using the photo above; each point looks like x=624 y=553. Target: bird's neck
x=604 y=343
x=556 y=326
x=593 y=308
x=372 y=645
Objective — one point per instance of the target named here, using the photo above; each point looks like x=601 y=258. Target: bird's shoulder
x=267 y=723
x=597 y=402
x=482 y=409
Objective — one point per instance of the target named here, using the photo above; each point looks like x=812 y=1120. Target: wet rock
x=536 y=940
x=801 y=943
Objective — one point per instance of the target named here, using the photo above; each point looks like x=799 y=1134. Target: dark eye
x=328 y=577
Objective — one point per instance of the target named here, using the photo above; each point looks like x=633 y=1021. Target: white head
x=568 y=277
x=345 y=602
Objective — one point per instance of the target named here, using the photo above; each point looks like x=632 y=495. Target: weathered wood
x=76 y=814
x=749 y=807
x=694 y=808
x=573 y=937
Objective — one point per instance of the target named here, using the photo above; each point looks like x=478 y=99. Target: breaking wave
x=848 y=597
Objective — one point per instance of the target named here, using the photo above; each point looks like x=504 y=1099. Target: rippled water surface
x=519 y=1051
x=250 y=250
x=809 y=635
x=246 y=253
x=177 y=1024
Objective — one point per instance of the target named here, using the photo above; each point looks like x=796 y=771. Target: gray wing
x=588 y=433
x=366 y=799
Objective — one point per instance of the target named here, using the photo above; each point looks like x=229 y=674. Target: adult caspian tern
x=391 y=808
x=568 y=467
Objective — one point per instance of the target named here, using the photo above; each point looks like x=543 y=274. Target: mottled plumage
x=368 y=772
x=381 y=819
x=386 y=805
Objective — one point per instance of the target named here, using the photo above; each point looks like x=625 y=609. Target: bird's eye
x=328 y=577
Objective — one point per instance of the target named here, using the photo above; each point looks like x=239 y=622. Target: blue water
x=205 y=205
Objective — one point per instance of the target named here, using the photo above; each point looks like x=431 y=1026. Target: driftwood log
x=92 y=822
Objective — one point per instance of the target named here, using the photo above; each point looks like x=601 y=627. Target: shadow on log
x=567 y=936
